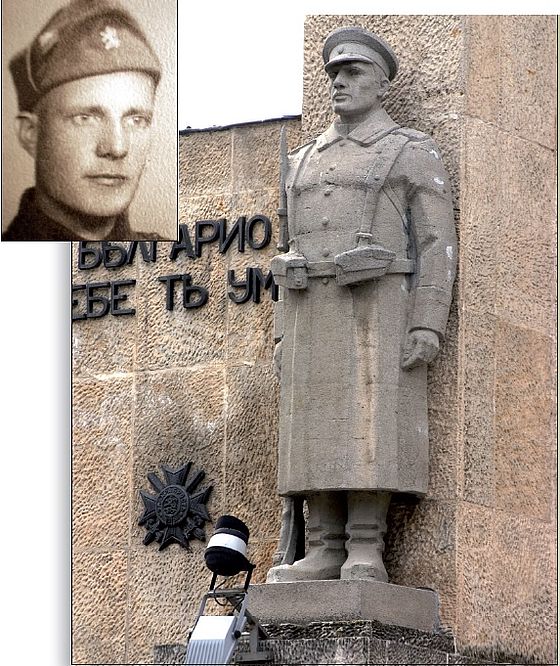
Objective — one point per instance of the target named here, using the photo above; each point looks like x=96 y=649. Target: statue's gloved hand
x=277 y=359
x=422 y=346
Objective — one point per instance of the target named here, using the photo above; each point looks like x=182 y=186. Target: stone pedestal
x=345 y=600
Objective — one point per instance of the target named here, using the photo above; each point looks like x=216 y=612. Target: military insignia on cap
x=110 y=38
x=47 y=40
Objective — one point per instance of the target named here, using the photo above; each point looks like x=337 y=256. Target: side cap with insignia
x=84 y=38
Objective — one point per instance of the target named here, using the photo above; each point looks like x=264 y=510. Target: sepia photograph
x=89 y=120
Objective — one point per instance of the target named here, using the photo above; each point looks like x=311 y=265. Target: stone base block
x=345 y=600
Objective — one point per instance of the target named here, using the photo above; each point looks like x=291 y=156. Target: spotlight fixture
x=214 y=637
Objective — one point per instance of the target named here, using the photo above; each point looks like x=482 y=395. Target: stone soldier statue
x=366 y=287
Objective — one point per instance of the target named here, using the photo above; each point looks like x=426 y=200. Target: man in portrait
x=86 y=87
x=367 y=283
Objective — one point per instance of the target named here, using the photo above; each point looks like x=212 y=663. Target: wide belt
x=321 y=269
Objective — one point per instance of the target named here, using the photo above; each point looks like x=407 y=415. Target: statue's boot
x=366 y=527
x=327 y=513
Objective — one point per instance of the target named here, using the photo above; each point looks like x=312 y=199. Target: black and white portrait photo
x=89 y=120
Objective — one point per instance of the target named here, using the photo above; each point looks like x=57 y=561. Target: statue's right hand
x=277 y=359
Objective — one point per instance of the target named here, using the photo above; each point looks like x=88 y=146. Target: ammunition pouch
x=367 y=263
x=290 y=270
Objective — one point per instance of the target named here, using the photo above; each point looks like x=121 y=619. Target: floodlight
x=214 y=637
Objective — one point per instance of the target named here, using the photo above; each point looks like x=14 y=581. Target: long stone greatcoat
x=350 y=417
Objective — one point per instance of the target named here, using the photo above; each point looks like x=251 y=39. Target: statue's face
x=356 y=89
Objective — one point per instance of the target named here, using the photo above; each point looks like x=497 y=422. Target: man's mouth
x=108 y=179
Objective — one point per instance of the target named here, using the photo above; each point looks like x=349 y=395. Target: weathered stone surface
x=101 y=451
x=430 y=525
x=475 y=579
x=260 y=554
x=211 y=152
x=483 y=73
x=526 y=253
x=203 y=207
x=479 y=478
x=481 y=214
x=443 y=455
x=99 y=583
x=165 y=591
x=343 y=600
x=255 y=156
x=170 y=654
x=512 y=59
x=527 y=61
x=314 y=651
x=250 y=460
x=525 y=596
x=525 y=422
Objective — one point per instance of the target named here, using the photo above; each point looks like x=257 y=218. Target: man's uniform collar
x=364 y=134
x=31 y=223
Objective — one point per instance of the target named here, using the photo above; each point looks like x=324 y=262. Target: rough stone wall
x=506 y=536
x=168 y=387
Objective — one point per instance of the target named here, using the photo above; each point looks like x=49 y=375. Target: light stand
x=214 y=637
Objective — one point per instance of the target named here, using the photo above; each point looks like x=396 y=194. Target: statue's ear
x=27 y=128
x=383 y=87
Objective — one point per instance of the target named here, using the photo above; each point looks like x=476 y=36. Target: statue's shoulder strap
x=392 y=145
x=413 y=135
x=302 y=149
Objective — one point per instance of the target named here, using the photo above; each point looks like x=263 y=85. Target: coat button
x=326 y=252
x=325 y=280
x=325 y=221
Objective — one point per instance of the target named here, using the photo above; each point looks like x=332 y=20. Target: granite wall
x=167 y=387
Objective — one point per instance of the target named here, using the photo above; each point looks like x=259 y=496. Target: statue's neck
x=377 y=118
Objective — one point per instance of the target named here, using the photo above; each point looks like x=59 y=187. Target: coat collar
x=31 y=223
x=371 y=130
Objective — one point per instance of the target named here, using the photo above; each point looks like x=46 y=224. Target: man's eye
x=82 y=119
x=138 y=121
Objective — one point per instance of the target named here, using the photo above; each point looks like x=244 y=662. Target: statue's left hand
x=422 y=346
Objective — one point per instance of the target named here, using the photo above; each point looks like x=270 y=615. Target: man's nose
x=113 y=142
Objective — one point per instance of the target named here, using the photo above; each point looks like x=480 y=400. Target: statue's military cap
x=84 y=38
x=355 y=43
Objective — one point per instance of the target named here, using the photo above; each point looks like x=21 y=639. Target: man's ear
x=27 y=127
x=383 y=87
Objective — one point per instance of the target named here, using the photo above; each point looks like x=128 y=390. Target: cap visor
x=347 y=57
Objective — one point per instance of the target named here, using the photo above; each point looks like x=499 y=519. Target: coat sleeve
x=433 y=232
